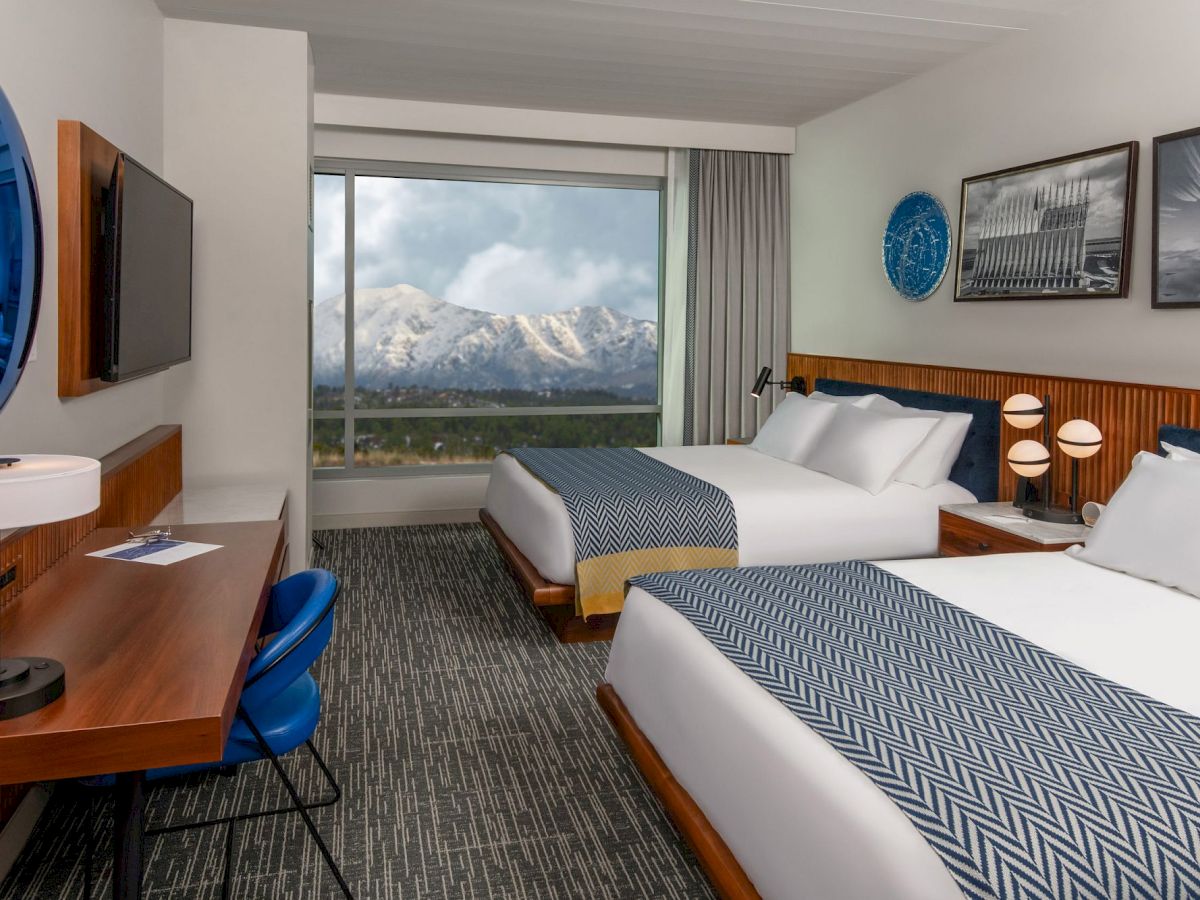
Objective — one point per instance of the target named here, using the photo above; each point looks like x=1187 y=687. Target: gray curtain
x=739 y=291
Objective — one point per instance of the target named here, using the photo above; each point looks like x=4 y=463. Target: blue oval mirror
x=20 y=251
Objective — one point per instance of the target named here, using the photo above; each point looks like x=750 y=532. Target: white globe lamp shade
x=1023 y=411
x=1029 y=459
x=36 y=489
x=1080 y=438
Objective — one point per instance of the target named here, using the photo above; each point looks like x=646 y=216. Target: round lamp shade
x=37 y=489
x=1023 y=411
x=1079 y=438
x=1029 y=459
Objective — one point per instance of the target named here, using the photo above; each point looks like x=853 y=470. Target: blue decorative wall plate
x=20 y=251
x=916 y=245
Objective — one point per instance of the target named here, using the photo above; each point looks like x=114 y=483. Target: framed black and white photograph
x=1058 y=229
x=1175 y=283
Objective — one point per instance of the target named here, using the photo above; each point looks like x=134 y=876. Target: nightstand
x=738 y=440
x=980 y=529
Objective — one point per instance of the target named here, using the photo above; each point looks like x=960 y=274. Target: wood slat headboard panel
x=1129 y=415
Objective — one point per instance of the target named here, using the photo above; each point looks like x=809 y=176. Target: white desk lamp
x=34 y=490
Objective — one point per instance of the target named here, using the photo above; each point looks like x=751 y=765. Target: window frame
x=350 y=169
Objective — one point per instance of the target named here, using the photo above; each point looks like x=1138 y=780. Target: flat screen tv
x=148 y=297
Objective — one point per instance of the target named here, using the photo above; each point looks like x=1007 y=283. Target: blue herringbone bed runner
x=1030 y=776
x=630 y=514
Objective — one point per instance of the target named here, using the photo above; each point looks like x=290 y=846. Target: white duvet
x=801 y=819
x=785 y=512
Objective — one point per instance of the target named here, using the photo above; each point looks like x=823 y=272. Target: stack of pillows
x=867 y=441
x=1148 y=530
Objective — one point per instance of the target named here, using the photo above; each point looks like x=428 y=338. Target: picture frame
x=1175 y=222
x=1060 y=229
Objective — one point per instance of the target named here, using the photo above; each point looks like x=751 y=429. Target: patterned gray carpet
x=474 y=760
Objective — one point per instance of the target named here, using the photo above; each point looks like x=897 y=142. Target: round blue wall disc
x=916 y=245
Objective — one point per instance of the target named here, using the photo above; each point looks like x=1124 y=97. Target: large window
x=461 y=312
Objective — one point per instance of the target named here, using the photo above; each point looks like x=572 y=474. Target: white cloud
x=496 y=246
x=508 y=279
x=329 y=237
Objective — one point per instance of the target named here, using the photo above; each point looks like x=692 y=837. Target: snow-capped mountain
x=403 y=337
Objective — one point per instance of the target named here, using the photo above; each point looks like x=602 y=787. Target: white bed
x=785 y=512
x=803 y=821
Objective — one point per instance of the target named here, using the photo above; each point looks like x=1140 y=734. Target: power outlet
x=8 y=577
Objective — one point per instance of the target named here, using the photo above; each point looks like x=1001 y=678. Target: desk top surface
x=155 y=656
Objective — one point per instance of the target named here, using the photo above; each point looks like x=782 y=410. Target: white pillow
x=863 y=401
x=932 y=461
x=1178 y=453
x=1149 y=528
x=866 y=448
x=793 y=429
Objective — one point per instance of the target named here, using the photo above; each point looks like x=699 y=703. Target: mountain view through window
x=485 y=315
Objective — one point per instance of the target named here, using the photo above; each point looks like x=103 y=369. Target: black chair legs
x=227 y=878
x=297 y=802
x=232 y=821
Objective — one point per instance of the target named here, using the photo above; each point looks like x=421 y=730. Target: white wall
x=1122 y=71
x=474 y=150
x=547 y=125
x=237 y=125
x=99 y=61
x=403 y=500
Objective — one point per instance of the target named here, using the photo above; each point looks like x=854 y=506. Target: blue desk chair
x=277 y=711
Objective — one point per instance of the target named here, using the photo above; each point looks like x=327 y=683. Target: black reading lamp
x=794 y=384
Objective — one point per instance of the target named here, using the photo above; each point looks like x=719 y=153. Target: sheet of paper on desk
x=159 y=553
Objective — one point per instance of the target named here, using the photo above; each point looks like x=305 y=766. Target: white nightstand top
x=1006 y=517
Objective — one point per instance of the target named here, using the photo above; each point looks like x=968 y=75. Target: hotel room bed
x=801 y=819
x=785 y=512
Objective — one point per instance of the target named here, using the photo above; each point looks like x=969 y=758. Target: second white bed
x=803 y=821
x=785 y=512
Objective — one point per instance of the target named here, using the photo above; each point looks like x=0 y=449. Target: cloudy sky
x=1106 y=196
x=500 y=247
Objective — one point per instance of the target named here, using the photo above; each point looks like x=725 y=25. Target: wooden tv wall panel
x=85 y=164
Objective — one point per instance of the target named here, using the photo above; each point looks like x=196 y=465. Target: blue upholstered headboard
x=1178 y=436
x=978 y=465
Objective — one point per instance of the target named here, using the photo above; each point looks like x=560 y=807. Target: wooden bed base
x=555 y=602
x=717 y=860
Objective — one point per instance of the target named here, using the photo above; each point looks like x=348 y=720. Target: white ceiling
x=756 y=61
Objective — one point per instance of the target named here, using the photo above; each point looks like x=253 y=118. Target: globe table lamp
x=35 y=490
x=1079 y=439
x=1029 y=459
x=1026 y=411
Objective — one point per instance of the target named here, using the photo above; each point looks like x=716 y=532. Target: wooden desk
x=155 y=659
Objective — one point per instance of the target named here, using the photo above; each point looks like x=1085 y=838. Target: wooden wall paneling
x=136 y=481
x=85 y=164
x=1128 y=415
x=141 y=477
